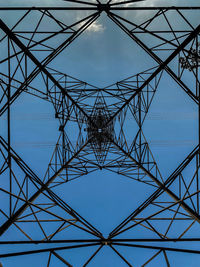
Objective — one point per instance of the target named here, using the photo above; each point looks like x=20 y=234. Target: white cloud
x=150 y=3
x=96 y=27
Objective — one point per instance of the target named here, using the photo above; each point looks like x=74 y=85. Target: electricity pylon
x=167 y=222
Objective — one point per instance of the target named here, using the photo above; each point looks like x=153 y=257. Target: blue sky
x=102 y=56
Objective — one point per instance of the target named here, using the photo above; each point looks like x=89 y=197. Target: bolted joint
x=103 y=7
x=61 y=128
x=106 y=242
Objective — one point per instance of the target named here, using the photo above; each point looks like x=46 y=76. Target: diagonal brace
x=162 y=186
x=43 y=187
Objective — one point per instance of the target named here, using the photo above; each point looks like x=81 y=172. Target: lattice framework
x=98 y=118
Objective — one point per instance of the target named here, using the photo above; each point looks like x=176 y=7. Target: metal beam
x=41 y=67
x=112 y=7
x=158 y=192
x=30 y=252
x=162 y=186
x=158 y=248
x=162 y=64
x=44 y=187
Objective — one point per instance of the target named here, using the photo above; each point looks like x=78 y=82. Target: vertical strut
x=8 y=127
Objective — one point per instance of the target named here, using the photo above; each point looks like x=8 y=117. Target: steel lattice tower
x=30 y=205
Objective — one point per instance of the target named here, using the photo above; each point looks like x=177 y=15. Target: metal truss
x=165 y=223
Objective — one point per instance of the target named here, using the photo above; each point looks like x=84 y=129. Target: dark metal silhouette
x=97 y=117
